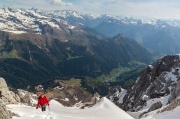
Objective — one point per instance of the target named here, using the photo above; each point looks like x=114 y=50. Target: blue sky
x=137 y=8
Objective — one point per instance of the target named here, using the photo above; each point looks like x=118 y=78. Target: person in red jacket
x=43 y=102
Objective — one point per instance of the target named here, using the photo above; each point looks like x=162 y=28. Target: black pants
x=43 y=108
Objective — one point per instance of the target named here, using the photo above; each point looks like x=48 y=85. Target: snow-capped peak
x=30 y=20
x=21 y=21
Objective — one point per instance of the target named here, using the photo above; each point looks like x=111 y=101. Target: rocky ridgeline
x=156 y=81
x=174 y=98
x=157 y=87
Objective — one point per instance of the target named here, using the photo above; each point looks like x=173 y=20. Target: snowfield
x=150 y=102
x=104 y=109
x=174 y=114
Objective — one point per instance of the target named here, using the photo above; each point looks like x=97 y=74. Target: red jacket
x=42 y=101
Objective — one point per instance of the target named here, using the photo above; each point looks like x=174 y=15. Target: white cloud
x=137 y=8
x=26 y=0
x=60 y=3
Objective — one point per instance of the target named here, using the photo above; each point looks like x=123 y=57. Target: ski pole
x=49 y=108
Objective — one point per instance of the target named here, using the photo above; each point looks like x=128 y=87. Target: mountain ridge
x=52 y=47
x=46 y=57
x=155 y=91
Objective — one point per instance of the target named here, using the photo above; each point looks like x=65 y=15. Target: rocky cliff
x=157 y=87
x=6 y=97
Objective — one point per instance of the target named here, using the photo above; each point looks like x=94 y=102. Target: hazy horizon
x=161 y=9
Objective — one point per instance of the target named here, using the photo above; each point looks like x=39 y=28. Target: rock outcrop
x=157 y=87
x=4 y=113
x=156 y=81
x=6 y=97
x=27 y=98
x=172 y=105
x=155 y=106
x=175 y=92
x=116 y=95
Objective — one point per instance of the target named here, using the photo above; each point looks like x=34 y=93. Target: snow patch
x=150 y=66
x=164 y=115
x=71 y=27
x=118 y=94
x=15 y=32
x=59 y=88
x=145 y=97
x=171 y=76
x=163 y=100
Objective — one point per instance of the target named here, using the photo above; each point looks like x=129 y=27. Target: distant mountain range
x=69 y=43
x=36 y=47
x=52 y=47
x=159 y=36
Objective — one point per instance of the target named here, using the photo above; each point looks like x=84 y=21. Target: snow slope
x=150 y=102
x=174 y=114
x=104 y=109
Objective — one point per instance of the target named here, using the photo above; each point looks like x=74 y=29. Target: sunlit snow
x=163 y=100
x=104 y=109
x=174 y=114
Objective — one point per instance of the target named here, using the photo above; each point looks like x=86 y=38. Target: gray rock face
x=6 y=97
x=174 y=100
x=4 y=113
x=27 y=97
x=172 y=105
x=175 y=92
x=116 y=95
x=156 y=81
x=155 y=106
